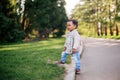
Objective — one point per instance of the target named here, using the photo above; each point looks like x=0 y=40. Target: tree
x=44 y=16
x=20 y=17
x=103 y=14
x=9 y=27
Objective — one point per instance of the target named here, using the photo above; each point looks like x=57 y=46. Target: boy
x=72 y=44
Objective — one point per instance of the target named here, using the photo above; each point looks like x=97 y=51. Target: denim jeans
x=75 y=56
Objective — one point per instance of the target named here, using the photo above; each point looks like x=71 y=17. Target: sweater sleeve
x=76 y=40
x=65 y=44
x=65 y=41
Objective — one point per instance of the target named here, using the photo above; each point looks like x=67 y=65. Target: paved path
x=100 y=60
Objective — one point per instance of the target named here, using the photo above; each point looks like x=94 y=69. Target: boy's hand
x=74 y=50
x=64 y=48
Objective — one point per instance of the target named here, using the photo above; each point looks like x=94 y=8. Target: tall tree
x=44 y=16
x=101 y=13
x=9 y=27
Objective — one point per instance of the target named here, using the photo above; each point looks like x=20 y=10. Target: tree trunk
x=111 y=31
x=116 y=11
x=98 y=31
x=106 y=31
x=23 y=23
x=45 y=34
x=117 y=30
x=101 y=28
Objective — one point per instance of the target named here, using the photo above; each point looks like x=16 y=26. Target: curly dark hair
x=75 y=22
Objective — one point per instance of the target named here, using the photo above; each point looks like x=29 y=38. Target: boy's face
x=70 y=26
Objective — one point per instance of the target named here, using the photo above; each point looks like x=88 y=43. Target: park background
x=31 y=33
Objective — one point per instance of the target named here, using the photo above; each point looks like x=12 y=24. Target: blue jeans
x=75 y=56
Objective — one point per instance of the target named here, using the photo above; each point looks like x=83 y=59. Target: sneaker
x=77 y=71
x=60 y=62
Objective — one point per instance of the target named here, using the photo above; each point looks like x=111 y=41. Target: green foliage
x=117 y=18
x=44 y=16
x=31 y=61
x=86 y=29
x=9 y=31
x=19 y=18
x=103 y=15
x=9 y=27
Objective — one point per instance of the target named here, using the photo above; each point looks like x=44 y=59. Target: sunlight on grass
x=31 y=61
x=110 y=37
x=2 y=49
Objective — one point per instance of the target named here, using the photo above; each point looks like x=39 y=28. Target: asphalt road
x=100 y=60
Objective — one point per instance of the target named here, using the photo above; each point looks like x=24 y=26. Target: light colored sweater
x=72 y=41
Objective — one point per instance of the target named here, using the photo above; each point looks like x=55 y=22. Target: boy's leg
x=63 y=56
x=77 y=60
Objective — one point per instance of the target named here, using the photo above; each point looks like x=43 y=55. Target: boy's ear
x=75 y=26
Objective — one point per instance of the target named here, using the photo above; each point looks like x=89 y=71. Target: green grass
x=31 y=61
x=111 y=37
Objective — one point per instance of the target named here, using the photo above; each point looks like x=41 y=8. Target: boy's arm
x=74 y=50
x=64 y=48
x=65 y=45
x=76 y=42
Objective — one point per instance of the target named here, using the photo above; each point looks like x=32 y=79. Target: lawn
x=31 y=60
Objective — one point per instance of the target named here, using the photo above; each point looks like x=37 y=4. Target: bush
x=9 y=30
